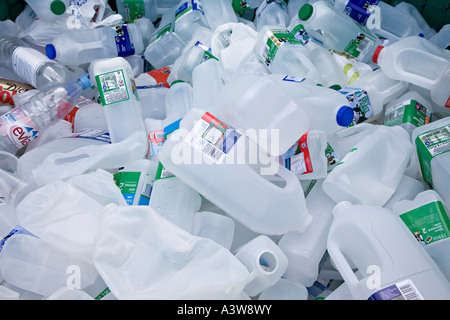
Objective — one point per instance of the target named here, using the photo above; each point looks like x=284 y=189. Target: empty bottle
x=87 y=114
x=206 y=83
x=24 y=123
x=284 y=290
x=442 y=38
x=76 y=47
x=273 y=13
x=427 y=217
x=407 y=189
x=49 y=10
x=31 y=65
x=412 y=10
x=188 y=16
x=393 y=265
x=150 y=9
x=214 y=226
x=337 y=31
x=218 y=12
x=179 y=100
x=398 y=61
x=358 y=10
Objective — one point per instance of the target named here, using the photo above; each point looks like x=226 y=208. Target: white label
x=26 y=62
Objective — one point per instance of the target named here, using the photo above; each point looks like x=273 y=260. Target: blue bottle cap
x=84 y=81
x=50 y=51
x=344 y=116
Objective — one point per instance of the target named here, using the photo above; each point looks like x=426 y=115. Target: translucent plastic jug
x=393 y=265
x=210 y=156
x=370 y=172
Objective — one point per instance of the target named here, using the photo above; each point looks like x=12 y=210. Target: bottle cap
x=376 y=54
x=305 y=12
x=176 y=81
x=58 y=7
x=50 y=51
x=336 y=87
x=84 y=81
x=344 y=116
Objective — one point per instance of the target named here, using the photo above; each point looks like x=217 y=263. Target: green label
x=359 y=100
x=127 y=182
x=161 y=32
x=240 y=5
x=163 y=173
x=429 y=223
x=272 y=40
x=112 y=87
x=332 y=158
x=300 y=34
x=134 y=9
x=409 y=111
x=103 y=294
x=429 y=145
x=360 y=45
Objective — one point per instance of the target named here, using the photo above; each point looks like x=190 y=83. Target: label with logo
x=240 y=5
x=359 y=100
x=124 y=42
x=187 y=7
x=298 y=159
x=272 y=41
x=18 y=127
x=300 y=34
x=212 y=137
x=429 y=145
x=133 y=9
x=409 y=111
x=332 y=157
x=360 y=45
x=112 y=87
x=128 y=183
x=156 y=139
x=360 y=10
x=208 y=55
x=9 y=88
x=428 y=223
x=403 y=290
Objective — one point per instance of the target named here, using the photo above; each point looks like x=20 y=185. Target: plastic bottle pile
x=254 y=150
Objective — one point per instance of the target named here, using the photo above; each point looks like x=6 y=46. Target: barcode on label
x=409 y=291
x=364 y=43
x=213 y=152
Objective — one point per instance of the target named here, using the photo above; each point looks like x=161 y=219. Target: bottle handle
x=342 y=265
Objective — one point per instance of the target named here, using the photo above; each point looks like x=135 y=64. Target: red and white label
x=18 y=127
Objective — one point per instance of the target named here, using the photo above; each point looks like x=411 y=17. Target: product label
x=26 y=61
x=294 y=79
x=112 y=87
x=300 y=34
x=360 y=10
x=134 y=9
x=18 y=127
x=128 y=182
x=332 y=157
x=161 y=75
x=16 y=230
x=94 y=134
x=187 y=7
x=208 y=55
x=409 y=111
x=162 y=172
x=124 y=42
x=428 y=223
x=164 y=30
x=429 y=145
x=360 y=45
x=359 y=100
x=156 y=139
x=272 y=40
x=404 y=290
x=347 y=156
x=9 y=88
x=298 y=159
x=212 y=137
x=240 y=5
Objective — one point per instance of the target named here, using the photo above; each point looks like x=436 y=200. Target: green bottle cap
x=58 y=7
x=305 y=12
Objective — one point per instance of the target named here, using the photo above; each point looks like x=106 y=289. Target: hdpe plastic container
x=218 y=12
x=117 y=89
x=400 y=61
x=442 y=38
x=272 y=13
x=87 y=114
x=407 y=189
x=188 y=16
x=151 y=9
x=214 y=226
x=393 y=265
x=76 y=47
x=179 y=100
x=305 y=250
x=427 y=217
x=282 y=53
x=432 y=143
x=412 y=10
x=337 y=31
x=358 y=10
x=284 y=290
x=409 y=111
x=370 y=93
x=264 y=260
x=210 y=156
x=48 y=10
x=371 y=171
x=206 y=83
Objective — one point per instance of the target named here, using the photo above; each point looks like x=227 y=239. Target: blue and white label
x=93 y=134
x=16 y=230
x=360 y=10
x=124 y=42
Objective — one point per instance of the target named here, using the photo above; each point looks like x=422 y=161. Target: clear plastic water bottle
x=76 y=47
x=23 y=123
x=30 y=65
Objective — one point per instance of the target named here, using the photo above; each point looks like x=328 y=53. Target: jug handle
x=344 y=268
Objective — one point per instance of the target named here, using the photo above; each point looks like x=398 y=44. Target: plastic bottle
x=337 y=31
x=293 y=6
x=407 y=189
x=358 y=10
x=394 y=24
x=120 y=101
x=282 y=53
x=427 y=217
x=218 y=12
x=179 y=100
x=31 y=65
x=305 y=250
x=150 y=9
x=242 y=6
x=431 y=146
x=399 y=60
x=264 y=260
x=409 y=111
x=442 y=38
x=13 y=188
x=49 y=10
x=369 y=94
x=210 y=157
x=307 y=158
x=284 y=290
x=393 y=265
x=371 y=171
x=273 y=13
x=206 y=83
x=188 y=16
x=135 y=181
x=24 y=122
x=76 y=47
x=152 y=95
x=214 y=226
x=412 y=10
x=155 y=132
